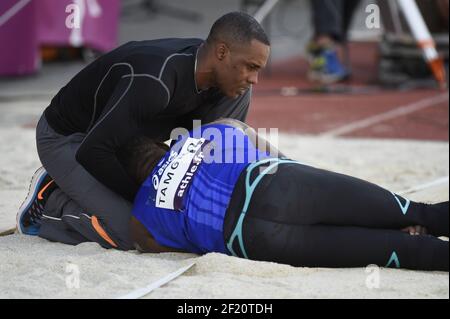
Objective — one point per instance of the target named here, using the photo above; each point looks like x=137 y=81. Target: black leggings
x=333 y=17
x=310 y=217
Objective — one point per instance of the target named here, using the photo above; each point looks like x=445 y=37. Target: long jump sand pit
x=31 y=267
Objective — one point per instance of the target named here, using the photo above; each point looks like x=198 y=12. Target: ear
x=221 y=51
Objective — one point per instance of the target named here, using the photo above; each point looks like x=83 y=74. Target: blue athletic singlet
x=183 y=201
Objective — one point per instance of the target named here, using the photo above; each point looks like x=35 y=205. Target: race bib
x=173 y=179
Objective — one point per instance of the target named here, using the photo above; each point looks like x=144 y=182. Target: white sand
x=31 y=267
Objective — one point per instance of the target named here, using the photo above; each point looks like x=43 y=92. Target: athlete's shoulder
x=152 y=56
x=163 y=48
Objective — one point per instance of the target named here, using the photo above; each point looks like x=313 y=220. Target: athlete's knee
x=115 y=233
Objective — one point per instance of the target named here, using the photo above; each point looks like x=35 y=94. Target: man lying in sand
x=218 y=190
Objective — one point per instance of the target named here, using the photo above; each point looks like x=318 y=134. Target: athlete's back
x=184 y=200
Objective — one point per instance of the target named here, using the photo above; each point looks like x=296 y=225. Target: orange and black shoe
x=31 y=211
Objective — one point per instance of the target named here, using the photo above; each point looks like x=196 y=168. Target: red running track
x=370 y=112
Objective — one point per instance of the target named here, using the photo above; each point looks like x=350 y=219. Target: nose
x=253 y=78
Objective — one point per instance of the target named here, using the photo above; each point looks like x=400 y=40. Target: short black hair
x=237 y=27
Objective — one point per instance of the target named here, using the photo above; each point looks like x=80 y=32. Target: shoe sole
x=36 y=180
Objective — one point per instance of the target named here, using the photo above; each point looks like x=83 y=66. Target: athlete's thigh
x=304 y=195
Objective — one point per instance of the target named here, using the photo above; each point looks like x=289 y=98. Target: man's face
x=238 y=66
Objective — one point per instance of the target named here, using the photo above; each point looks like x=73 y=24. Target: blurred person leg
x=331 y=19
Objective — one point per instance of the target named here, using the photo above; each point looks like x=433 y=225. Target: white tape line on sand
x=417 y=188
x=141 y=292
x=399 y=111
x=7 y=232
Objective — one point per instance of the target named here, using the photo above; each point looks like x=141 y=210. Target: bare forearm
x=144 y=241
x=258 y=140
x=262 y=144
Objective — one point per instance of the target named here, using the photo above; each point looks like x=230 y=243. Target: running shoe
x=324 y=65
x=30 y=212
